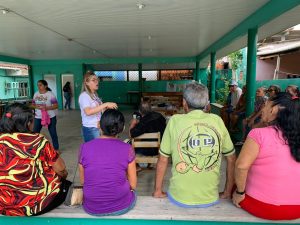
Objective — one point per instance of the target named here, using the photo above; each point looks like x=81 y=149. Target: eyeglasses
x=270 y=90
x=95 y=80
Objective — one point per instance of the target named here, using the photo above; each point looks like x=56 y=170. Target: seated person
x=293 y=90
x=107 y=169
x=147 y=122
x=239 y=112
x=235 y=94
x=254 y=118
x=273 y=90
x=196 y=142
x=32 y=173
x=267 y=170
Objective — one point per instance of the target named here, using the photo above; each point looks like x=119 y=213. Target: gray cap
x=233 y=83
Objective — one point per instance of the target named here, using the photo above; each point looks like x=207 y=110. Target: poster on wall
x=181 y=87
x=171 y=87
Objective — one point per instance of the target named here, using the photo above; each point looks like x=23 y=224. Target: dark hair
x=45 y=83
x=112 y=122
x=295 y=89
x=67 y=87
x=276 y=88
x=288 y=121
x=16 y=118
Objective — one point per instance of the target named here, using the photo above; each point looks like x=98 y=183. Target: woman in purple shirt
x=107 y=169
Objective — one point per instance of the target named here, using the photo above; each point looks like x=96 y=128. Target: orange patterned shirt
x=28 y=182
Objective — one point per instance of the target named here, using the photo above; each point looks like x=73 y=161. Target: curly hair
x=288 y=121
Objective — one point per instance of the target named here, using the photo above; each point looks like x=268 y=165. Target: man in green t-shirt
x=196 y=142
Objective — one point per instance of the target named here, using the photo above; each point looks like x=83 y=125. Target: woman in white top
x=45 y=102
x=91 y=107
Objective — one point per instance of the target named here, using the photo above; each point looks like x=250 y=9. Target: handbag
x=75 y=194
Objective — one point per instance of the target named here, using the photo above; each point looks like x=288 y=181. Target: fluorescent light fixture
x=140 y=6
x=297 y=27
x=5 y=11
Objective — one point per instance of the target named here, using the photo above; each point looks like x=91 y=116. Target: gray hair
x=196 y=95
x=145 y=107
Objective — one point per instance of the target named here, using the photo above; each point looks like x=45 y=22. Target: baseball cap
x=233 y=83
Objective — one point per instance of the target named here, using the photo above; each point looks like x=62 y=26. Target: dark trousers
x=67 y=96
x=52 y=130
x=59 y=198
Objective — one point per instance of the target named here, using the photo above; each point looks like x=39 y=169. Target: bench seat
x=147 y=209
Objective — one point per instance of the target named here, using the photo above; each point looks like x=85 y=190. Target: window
x=23 y=89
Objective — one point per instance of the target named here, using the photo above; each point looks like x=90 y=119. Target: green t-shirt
x=196 y=142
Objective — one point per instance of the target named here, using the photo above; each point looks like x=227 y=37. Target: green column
x=213 y=77
x=31 y=82
x=140 y=67
x=251 y=70
x=196 y=72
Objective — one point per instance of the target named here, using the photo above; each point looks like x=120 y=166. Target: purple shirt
x=106 y=188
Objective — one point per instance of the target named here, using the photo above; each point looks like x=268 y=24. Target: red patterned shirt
x=28 y=182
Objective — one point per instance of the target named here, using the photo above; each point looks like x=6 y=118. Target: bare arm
x=246 y=158
x=108 y=105
x=81 y=173
x=161 y=168
x=133 y=123
x=131 y=175
x=60 y=168
x=229 y=176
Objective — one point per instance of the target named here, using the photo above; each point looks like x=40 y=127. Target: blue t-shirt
x=106 y=188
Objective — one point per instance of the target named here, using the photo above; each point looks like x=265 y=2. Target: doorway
x=51 y=80
x=64 y=79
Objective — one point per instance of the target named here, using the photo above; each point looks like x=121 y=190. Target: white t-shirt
x=85 y=101
x=46 y=99
x=235 y=96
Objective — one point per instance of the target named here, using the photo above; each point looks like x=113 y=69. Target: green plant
x=222 y=93
x=235 y=59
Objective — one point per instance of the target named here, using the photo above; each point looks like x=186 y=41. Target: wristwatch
x=240 y=192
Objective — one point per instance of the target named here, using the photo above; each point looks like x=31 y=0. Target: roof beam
x=266 y=13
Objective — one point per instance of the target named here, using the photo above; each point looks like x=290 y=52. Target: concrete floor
x=70 y=139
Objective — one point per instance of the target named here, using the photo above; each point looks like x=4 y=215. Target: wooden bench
x=174 y=98
x=147 y=140
x=148 y=211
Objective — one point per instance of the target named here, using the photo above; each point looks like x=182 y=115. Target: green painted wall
x=6 y=94
x=116 y=91
x=283 y=83
x=203 y=76
x=77 y=69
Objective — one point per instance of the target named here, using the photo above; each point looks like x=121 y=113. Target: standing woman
x=45 y=104
x=91 y=107
x=67 y=94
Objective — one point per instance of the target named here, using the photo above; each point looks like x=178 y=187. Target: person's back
x=32 y=173
x=195 y=141
x=277 y=188
x=25 y=159
x=267 y=172
x=106 y=188
x=107 y=169
x=149 y=122
x=200 y=141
